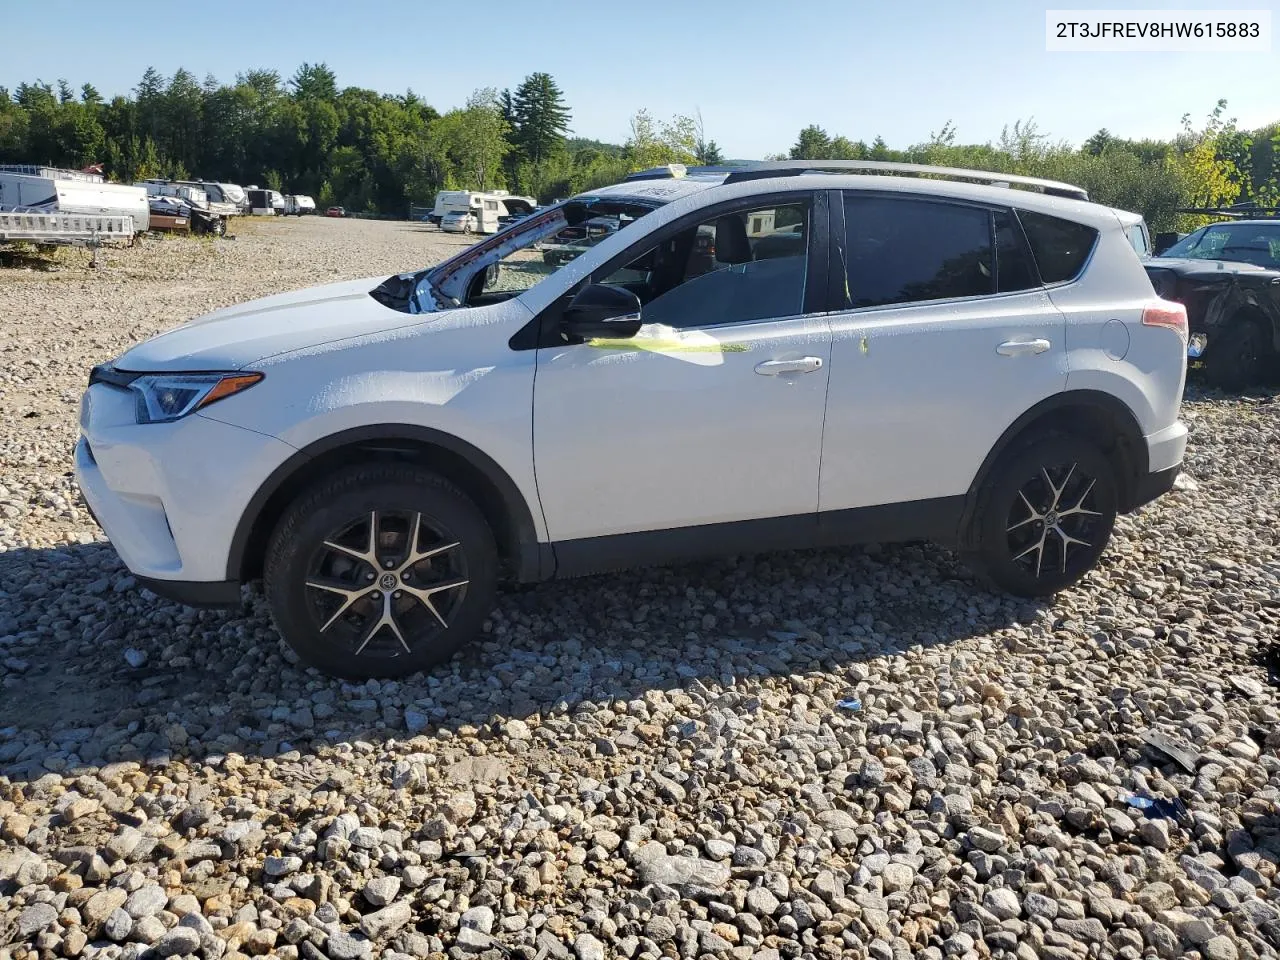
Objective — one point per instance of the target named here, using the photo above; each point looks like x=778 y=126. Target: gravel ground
x=660 y=764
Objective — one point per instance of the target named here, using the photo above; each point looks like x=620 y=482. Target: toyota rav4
x=776 y=357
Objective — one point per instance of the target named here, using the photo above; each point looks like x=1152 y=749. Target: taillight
x=1166 y=313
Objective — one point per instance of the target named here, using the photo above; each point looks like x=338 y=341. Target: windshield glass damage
x=513 y=260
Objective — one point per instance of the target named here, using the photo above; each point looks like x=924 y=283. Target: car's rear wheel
x=1044 y=516
x=380 y=571
x=1239 y=356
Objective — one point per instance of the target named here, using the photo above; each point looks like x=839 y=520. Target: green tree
x=706 y=151
x=537 y=116
x=314 y=81
x=813 y=144
x=1099 y=142
x=653 y=143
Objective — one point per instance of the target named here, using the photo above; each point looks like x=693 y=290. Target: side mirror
x=602 y=311
x=1163 y=242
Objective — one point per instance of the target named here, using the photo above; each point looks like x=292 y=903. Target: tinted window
x=901 y=250
x=1014 y=269
x=1061 y=247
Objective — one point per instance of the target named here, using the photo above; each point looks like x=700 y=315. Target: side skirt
x=936 y=519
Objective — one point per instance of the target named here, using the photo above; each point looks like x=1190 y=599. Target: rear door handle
x=1022 y=348
x=772 y=368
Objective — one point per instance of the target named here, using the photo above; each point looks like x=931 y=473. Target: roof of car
x=1029 y=193
x=655 y=191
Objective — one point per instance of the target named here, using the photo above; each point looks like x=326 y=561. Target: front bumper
x=170 y=495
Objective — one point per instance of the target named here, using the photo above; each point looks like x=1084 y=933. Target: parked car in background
x=461 y=221
x=511 y=219
x=937 y=359
x=573 y=241
x=1228 y=277
x=336 y=212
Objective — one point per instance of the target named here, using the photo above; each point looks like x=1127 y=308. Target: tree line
x=1216 y=165
x=365 y=150
x=380 y=153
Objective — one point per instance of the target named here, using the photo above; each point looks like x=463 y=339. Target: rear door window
x=1061 y=247
x=909 y=250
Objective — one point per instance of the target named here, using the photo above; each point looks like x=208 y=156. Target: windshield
x=1256 y=243
x=533 y=249
x=515 y=259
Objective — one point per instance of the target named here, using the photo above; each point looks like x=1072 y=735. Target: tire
x=353 y=620
x=1009 y=546
x=1240 y=356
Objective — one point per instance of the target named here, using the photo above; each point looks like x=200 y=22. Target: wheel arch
x=469 y=468
x=1091 y=414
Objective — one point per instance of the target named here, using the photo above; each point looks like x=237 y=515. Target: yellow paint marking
x=667 y=346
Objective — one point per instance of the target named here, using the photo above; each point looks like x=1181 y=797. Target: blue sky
x=758 y=70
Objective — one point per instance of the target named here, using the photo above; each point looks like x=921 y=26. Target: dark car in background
x=1228 y=277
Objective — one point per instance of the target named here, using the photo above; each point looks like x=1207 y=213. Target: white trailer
x=65 y=191
x=298 y=204
x=225 y=193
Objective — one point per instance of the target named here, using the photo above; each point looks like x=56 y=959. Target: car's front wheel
x=380 y=571
x=1043 y=517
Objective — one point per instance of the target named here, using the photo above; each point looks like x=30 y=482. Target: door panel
x=920 y=394
x=677 y=428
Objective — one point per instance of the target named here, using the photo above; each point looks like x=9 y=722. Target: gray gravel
x=645 y=765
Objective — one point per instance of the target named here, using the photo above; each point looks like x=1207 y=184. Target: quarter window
x=904 y=250
x=1061 y=247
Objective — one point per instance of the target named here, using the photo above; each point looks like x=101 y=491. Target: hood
x=239 y=336
x=1192 y=266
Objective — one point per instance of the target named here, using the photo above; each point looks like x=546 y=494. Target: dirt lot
x=647 y=765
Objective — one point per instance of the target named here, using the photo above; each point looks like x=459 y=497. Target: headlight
x=162 y=398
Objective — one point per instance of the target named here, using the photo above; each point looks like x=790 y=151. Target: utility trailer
x=65 y=229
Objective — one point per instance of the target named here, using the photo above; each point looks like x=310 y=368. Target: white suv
x=774 y=358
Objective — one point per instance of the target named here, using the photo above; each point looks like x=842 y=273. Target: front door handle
x=772 y=368
x=1022 y=348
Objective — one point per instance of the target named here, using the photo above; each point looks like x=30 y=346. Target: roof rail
x=794 y=168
